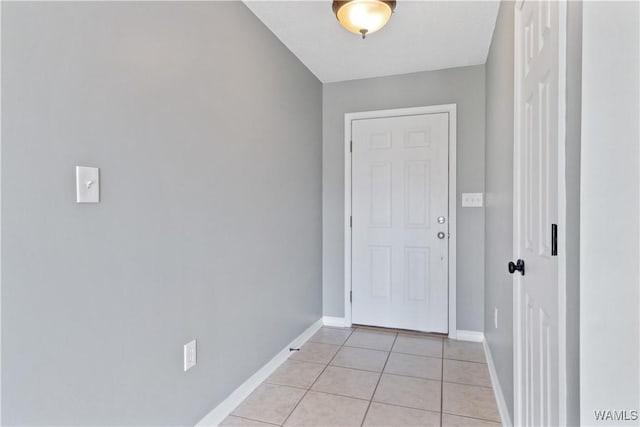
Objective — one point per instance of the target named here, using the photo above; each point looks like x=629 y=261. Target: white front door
x=400 y=222
x=536 y=293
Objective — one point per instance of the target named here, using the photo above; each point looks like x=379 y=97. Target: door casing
x=348 y=118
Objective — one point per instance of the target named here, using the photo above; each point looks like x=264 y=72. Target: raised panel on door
x=380 y=194
x=399 y=189
x=379 y=274
x=417 y=273
x=417 y=194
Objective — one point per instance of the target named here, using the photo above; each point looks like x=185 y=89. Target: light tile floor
x=375 y=377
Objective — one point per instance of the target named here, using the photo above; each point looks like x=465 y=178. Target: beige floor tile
x=372 y=340
x=381 y=414
x=472 y=373
x=320 y=409
x=315 y=352
x=269 y=403
x=295 y=373
x=347 y=382
x=456 y=421
x=414 y=366
x=360 y=358
x=463 y=350
x=469 y=401
x=242 y=422
x=331 y=336
x=411 y=392
x=419 y=346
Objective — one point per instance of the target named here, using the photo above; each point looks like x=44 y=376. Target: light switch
x=87 y=184
x=472 y=200
x=189 y=355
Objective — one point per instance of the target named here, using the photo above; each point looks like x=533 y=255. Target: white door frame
x=562 y=215
x=348 y=118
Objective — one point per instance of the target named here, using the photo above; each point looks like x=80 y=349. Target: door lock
x=441 y=235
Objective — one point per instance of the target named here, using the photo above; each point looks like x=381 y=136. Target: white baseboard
x=474 y=336
x=220 y=412
x=497 y=389
x=339 y=322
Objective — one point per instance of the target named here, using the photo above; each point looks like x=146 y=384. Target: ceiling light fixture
x=363 y=16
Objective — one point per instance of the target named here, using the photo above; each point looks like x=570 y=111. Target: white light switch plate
x=189 y=355
x=472 y=200
x=87 y=184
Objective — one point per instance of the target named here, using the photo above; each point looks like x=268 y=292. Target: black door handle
x=518 y=266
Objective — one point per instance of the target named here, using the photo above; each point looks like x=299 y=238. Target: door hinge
x=351 y=222
x=350 y=296
x=351 y=146
x=554 y=239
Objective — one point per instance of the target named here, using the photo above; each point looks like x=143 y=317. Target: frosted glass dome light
x=363 y=16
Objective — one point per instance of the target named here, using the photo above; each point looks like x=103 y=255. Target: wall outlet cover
x=87 y=184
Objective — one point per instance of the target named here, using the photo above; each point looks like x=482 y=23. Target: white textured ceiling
x=421 y=36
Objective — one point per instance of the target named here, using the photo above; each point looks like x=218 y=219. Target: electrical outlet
x=189 y=355
x=495 y=317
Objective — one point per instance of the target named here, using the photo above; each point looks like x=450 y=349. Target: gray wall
x=499 y=209
x=462 y=86
x=207 y=131
x=610 y=208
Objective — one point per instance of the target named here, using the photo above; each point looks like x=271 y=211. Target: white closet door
x=536 y=307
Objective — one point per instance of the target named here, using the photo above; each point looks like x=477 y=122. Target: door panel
x=399 y=189
x=536 y=334
x=417 y=194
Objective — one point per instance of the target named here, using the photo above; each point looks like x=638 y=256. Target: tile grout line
x=462 y=360
x=421 y=355
x=467 y=384
x=378 y=372
x=406 y=332
x=409 y=354
x=466 y=360
x=441 y=379
x=336 y=395
x=442 y=385
x=251 y=419
x=395 y=405
x=379 y=379
x=318 y=377
x=473 y=418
